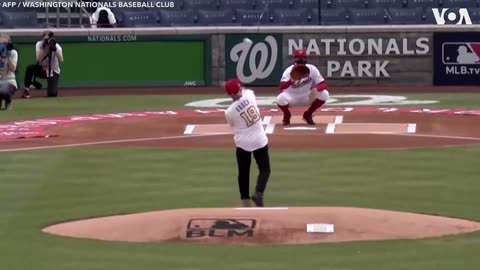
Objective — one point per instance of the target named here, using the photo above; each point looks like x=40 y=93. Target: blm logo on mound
x=223 y=228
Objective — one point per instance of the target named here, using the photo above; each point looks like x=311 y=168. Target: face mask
x=301 y=61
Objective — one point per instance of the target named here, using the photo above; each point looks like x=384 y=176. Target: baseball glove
x=299 y=72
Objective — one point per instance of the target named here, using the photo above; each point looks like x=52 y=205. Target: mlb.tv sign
x=451 y=16
x=456 y=58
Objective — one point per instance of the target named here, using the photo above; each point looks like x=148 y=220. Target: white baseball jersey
x=244 y=118
x=304 y=85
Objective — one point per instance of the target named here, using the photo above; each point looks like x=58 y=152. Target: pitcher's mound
x=252 y=226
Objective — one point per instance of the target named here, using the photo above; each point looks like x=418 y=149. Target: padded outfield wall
x=202 y=56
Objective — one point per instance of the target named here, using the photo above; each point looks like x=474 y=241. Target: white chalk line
x=109 y=142
x=338 y=119
x=270 y=128
x=266 y=120
x=412 y=128
x=435 y=136
x=330 y=128
x=261 y=208
x=189 y=129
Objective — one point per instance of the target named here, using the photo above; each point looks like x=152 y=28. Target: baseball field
x=107 y=155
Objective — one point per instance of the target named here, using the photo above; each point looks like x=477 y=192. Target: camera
x=49 y=44
x=5 y=49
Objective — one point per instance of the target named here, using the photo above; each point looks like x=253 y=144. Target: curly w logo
x=258 y=62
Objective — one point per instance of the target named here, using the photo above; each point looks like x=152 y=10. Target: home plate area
x=325 y=124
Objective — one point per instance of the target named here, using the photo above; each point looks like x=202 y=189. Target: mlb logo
x=461 y=53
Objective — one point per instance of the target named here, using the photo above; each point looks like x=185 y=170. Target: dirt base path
x=356 y=130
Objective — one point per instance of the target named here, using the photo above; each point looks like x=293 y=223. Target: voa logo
x=451 y=16
x=255 y=60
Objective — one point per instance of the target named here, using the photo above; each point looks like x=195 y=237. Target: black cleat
x=257 y=198
x=286 y=119
x=26 y=93
x=308 y=118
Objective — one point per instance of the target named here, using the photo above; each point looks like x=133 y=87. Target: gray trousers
x=7 y=90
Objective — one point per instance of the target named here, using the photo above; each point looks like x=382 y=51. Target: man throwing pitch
x=309 y=88
x=244 y=118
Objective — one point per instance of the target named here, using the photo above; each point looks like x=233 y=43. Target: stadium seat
x=252 y=17
x=313 y=16
x=425 y=4
x=405 y=15
x=201 y=4
x=474 y=15
x=216 y=17
x=273 y=4
x=387 y=3
x=19 y=19
x=336 y=16
x=237 y=4
x=177 y=17
x=459 y=3
x=368 y=16
x=138 y=18
x=310 y=4
x=343 y=4
x=297 y=16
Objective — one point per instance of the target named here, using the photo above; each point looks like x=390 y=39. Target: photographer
x=49 y=56
x=103 y=17
x=8 y=65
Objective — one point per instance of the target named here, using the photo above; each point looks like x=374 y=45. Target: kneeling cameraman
x=49 y=55
x=8 y=65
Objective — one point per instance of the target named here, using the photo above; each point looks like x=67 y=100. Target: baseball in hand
x=247 y=40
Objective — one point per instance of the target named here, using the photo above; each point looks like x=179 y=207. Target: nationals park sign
x=360 y=57
x=255 y=63
x=346 y=58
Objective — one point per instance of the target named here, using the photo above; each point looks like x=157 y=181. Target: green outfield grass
x=42 y=187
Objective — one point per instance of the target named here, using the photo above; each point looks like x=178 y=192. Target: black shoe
x=286 y=119
x=308 y=118
x=26 y=93
x=8 y=106
x=257 y=198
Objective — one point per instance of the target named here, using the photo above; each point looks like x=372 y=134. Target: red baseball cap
x=233 y=86
x=300 y=53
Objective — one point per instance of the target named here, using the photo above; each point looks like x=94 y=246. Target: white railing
x=253 y=29
x=65 y=12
